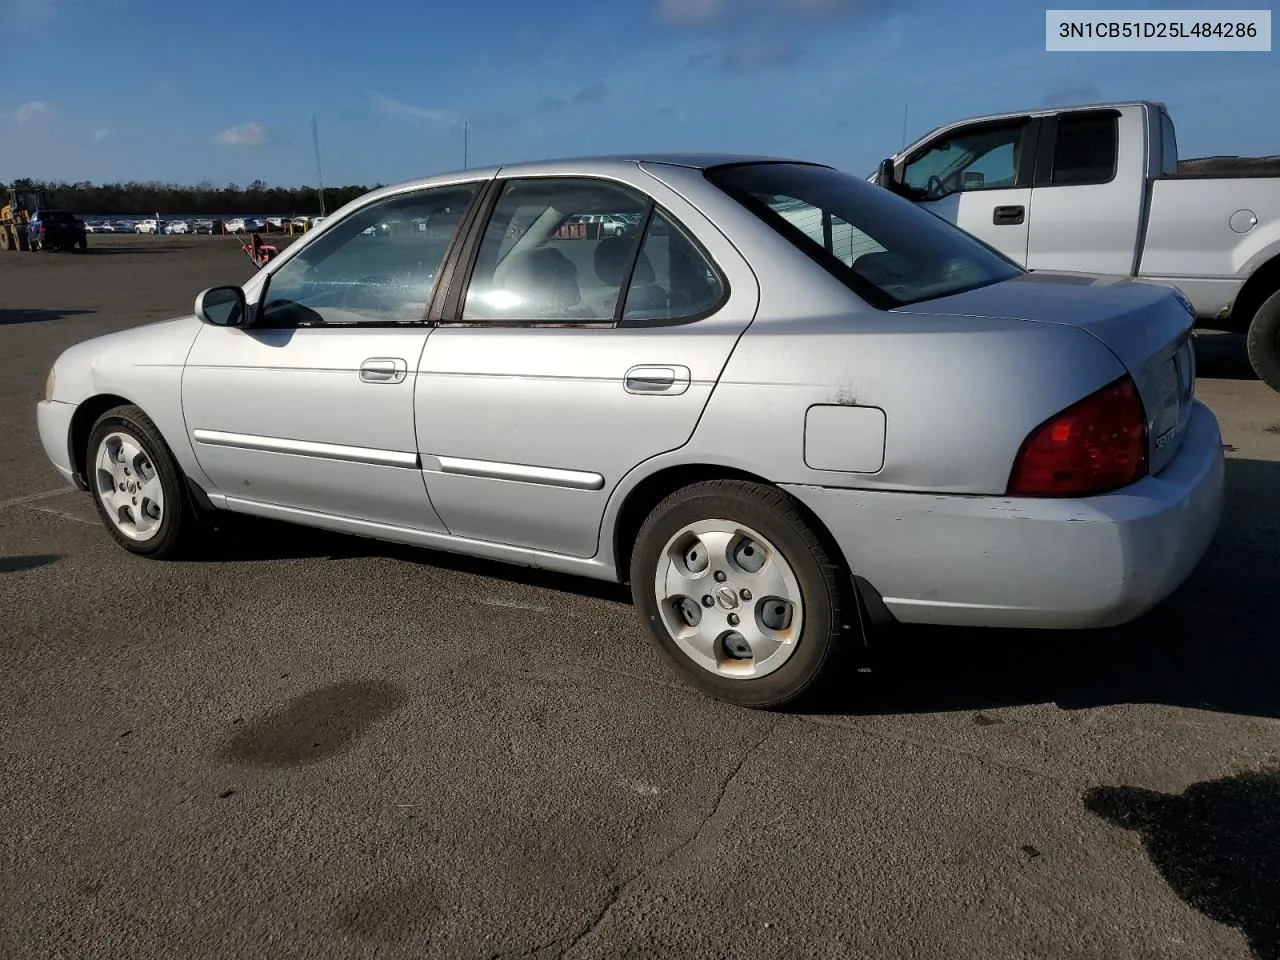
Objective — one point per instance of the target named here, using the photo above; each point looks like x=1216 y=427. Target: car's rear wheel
x=739 y=592
x=138 y=487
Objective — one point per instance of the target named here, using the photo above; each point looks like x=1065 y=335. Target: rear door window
x=672 y=278
x=1085 y=150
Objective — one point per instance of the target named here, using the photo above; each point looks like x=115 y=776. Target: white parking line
x=62 y=513
x=48 y=494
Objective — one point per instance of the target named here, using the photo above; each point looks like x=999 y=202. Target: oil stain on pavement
x=1217 y=845
x=314 y=726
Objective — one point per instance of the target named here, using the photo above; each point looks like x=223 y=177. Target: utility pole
x=315 y=141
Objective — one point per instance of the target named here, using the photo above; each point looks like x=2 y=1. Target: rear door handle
x=1005 y=216
x=667 y=380
x=383 y=370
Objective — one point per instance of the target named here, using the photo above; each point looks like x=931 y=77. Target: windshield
x=885 y=248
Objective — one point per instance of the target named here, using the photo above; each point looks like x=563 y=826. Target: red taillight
x=1097 y=445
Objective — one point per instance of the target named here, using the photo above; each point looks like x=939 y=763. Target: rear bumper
x=1029 y=562
x=53 y=420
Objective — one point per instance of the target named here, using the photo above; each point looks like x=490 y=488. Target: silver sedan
x=785 y=406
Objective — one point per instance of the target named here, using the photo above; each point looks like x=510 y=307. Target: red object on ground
x=259 y=252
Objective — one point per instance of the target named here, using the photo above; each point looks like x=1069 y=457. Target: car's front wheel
x=137 y=486
x=739 y=592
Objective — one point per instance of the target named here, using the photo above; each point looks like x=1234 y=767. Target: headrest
x=613 y=255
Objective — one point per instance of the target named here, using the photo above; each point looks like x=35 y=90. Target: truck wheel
x=1264 y=342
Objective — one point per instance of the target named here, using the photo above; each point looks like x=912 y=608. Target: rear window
x=56 y=216
x=885 y=248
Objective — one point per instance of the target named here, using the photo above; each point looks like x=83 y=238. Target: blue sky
x=191 y=90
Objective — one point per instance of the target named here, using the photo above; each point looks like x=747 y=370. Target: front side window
x=378 y=265
x=985 y=158
x=888 y=250
x=555 y=250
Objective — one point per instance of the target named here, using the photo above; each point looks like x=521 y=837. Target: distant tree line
x=134 y=198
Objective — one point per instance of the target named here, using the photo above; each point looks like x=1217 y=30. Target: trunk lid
x=1147 y=326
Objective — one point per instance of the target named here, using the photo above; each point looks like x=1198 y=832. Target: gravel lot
x=308 y=745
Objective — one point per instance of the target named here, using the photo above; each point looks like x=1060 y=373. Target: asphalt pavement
x=307 y=745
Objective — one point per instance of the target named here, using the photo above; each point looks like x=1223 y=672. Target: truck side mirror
x=886 y=177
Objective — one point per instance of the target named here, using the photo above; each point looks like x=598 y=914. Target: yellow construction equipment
x=20 y=206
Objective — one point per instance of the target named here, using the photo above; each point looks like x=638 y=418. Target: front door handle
x=1009 y=216
x=666 y=380
x=384 y=370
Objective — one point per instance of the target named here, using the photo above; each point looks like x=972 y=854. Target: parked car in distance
x=244 y=225
x=177 y=226
x=301 y=223
x=206 y=226
x=56 y=230
x=774 y=440
x=1097 y=189
x=146 y=226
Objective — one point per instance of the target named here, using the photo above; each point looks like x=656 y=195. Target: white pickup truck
x=1097 y=189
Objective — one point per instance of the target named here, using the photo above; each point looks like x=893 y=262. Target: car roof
x=594 y=165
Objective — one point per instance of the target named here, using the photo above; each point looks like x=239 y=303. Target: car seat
x=546 y=281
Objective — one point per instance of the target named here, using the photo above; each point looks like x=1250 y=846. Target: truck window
x=1168 y=146
x=1085 y=152
x=976 y=158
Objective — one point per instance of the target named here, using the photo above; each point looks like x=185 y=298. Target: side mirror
x=886 y=177
x=221 y=306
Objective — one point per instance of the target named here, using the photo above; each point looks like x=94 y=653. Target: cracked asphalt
x=306 y=745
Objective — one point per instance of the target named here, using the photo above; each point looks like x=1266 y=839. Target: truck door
x=978 y=176
x=1088 y=193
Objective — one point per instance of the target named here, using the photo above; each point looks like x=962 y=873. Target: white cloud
x=396 y=108
x=739 y=13
x=246 y=135
x=691 y=11
x=32 y=112
x=100 y=135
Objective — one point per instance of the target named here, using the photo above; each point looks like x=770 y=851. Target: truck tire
x=1264 y=342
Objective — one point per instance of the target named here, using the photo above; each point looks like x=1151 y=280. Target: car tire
x=695 y=567
x=1263 y=340
x=127 y=460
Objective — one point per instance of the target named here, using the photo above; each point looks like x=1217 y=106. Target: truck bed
x=1190 y=238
